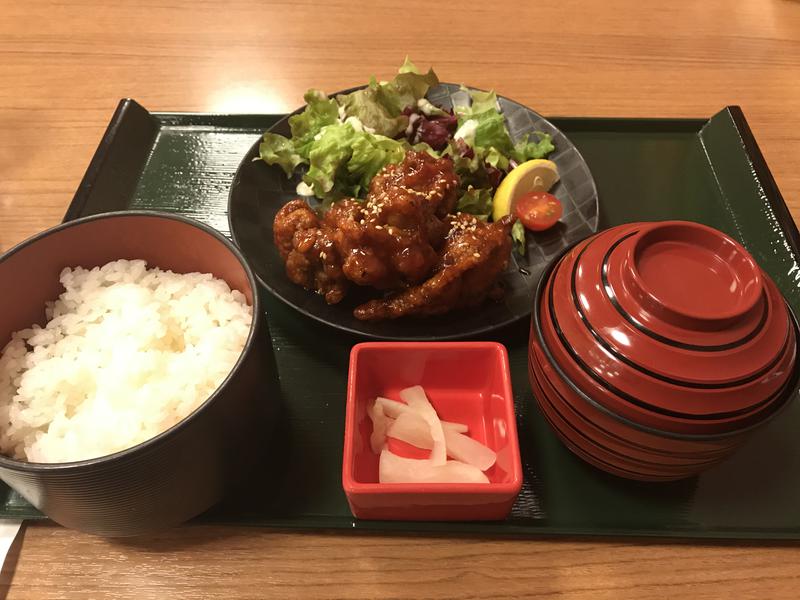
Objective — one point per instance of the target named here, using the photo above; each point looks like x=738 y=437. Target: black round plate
x=259 y=190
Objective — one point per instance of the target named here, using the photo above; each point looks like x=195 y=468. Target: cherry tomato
x=538 y=210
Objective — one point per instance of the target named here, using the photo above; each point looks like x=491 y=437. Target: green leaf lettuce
x=476 y=201
x=518 y=237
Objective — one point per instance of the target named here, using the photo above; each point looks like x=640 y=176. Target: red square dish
x=466 y=382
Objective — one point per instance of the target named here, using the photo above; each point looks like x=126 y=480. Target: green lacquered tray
x=646 y=169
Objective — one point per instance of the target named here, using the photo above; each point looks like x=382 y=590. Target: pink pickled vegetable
x=413 y=429
x=464 y=448
x=380 y=422
x=457 y=427
x=396 y=469
x=415 y=398
x=392 y=408
x=415 y=422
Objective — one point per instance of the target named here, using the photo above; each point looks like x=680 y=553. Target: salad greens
x=367 y=106
x=370 y=154
x=476 y=201
x=288 y=153
x=489 y=135
x=518 y=237
x=528 y=150
x=380 y=106
x=344 y=158
x=343 y=142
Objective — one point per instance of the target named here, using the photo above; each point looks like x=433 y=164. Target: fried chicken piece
x=310 y=255
x=383 y=256
x=293 y=216
x=415 y=188
x=393 y=243
x=374 y=253
x=389 y=242
x=387 y=258
x=475 y=255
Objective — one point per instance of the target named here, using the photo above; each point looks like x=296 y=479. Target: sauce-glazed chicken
x=474 y=256
x=401 y=238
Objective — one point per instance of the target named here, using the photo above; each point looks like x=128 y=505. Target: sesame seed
x=476 y=254
x=378 y=227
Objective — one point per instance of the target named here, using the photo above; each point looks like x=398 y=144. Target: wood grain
x=212 y=562
x=64 y=65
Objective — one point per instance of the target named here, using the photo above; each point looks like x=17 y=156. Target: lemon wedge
x=537 y=175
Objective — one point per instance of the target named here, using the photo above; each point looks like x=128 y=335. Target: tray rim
x=512 y=529
x=765 y=177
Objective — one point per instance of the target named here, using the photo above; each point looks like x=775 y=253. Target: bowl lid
x=719 y=303
x=718 y=385
x=691 y=275
x=592 y=279
x=632 y=382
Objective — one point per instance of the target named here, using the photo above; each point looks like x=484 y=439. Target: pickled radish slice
x=380 y=423
x=457 y=427
x=396 y=469
x=393 y=409
x=465 y=449
x=415 y=421
x=415 y=398
x=412 y=429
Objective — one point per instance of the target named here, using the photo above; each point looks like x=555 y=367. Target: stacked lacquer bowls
x=657 y=348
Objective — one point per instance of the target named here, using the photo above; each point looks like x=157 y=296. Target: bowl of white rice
x=137 y=383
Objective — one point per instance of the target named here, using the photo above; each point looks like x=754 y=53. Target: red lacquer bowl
x=590 y=450
x=641 y=454
x=714 y=387
x=639 y=403
x=602 y=386
x=620 y=436
x=667 y=398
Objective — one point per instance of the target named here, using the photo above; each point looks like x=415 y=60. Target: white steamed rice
x=127 y=352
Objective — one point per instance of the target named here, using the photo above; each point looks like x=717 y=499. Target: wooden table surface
x=65 y=63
